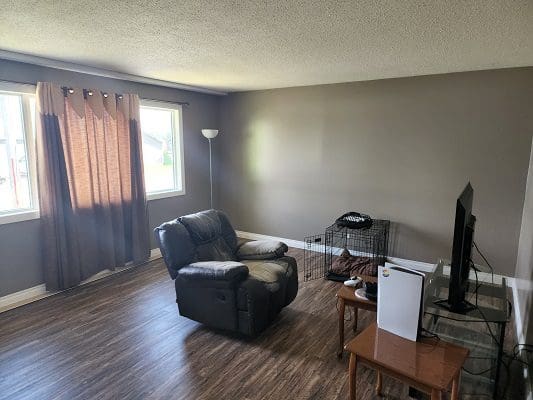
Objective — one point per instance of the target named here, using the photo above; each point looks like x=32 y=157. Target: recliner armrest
x=214 y=271
x=261 y=250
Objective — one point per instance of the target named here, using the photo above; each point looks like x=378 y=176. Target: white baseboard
x=525 y=286
x=39 y=292
x=298 y=244
x=256 y=236
x=403 y=262
x=22 y=297
x=514 y=284
x=418 y=265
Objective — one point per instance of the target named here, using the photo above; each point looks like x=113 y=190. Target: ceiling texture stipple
x=233 y=45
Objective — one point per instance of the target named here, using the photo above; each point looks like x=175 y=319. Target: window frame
x=177 y=147
x=26 y=91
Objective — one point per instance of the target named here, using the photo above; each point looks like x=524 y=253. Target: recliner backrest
x=204 y=236
x=212 y=234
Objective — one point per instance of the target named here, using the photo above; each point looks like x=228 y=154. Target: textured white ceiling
x=243 y=45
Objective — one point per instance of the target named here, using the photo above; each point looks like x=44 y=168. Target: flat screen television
x=463 y=238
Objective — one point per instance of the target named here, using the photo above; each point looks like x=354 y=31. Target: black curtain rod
x=66 y=88
x=86 y=92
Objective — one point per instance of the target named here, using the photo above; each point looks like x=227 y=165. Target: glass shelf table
x=491 y=309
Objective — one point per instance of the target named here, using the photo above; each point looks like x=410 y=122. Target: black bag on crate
x=354 y=220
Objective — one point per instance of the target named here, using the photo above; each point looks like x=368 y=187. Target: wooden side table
x=346 y=297
x=430 y=365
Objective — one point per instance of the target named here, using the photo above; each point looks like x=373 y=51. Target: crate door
x=314 y=257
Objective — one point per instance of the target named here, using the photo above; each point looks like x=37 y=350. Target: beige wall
x=294 y=159
x=524 y=262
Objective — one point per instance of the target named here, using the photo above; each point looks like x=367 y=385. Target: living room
x=282 y=116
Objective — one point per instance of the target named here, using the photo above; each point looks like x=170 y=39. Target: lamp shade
x=210 y=133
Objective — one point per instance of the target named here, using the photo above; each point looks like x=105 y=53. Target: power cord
x=528 y=347
x=514 y=357
x=484 y=259
x=477 y=372
x=427 y=334
x=516 y=349
x=478 y=284
x=487 y=323
x=516 y=353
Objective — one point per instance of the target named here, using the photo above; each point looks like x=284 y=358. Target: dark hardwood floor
x=122 y=338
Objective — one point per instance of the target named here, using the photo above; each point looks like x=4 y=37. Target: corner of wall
x=524 y=264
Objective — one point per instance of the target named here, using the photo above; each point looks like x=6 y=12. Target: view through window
x=17 y=111
x=163 y=166
x=161 y=141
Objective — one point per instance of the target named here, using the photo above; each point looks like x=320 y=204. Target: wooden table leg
x=455 y=386
x=355 y=312
x=341 y=327
x=436 y=394
x=352 y=376
x=378 y=383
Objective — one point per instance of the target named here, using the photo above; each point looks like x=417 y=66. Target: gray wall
x=524 y=262
x=20 y=266
x=402 y=149
x=291 y=160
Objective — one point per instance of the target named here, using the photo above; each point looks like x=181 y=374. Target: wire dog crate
x=340 y=251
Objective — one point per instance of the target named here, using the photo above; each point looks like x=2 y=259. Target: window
x=18 y=190
x=162 y=146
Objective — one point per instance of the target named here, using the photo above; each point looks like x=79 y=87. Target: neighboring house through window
x=162 y=145
x=18 y=189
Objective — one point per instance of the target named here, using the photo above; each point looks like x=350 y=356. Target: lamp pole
x=210 y=134
x=210 y=174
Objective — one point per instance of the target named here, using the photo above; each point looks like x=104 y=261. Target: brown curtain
x=91 y=183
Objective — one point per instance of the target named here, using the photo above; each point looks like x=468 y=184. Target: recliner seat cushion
x=272 y=275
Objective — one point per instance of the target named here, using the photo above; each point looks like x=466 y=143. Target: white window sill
x=19 y=216
x=163 y=195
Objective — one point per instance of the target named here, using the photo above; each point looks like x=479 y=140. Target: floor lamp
x=210 y=134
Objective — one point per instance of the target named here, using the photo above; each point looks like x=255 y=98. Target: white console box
x=400 y=300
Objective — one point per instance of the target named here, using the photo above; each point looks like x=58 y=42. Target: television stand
x=464 y=327
x=463 y=307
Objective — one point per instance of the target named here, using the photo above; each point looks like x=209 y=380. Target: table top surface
x=348 y=294
x=431 y=362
